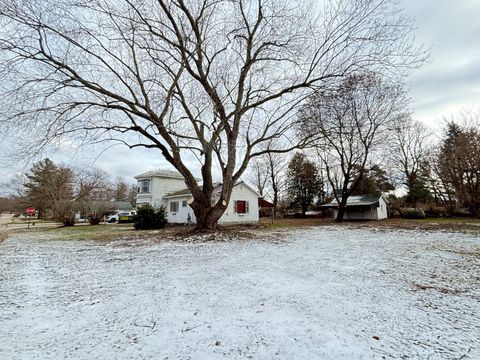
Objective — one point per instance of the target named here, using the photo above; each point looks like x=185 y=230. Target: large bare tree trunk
x=206 y=216
x=342 y=206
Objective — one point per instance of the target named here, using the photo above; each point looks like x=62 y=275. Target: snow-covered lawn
x=318 y=293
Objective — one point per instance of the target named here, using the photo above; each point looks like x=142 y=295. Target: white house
x=362 y=207
x=168 y=188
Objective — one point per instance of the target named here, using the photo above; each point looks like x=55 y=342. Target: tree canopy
x=348 y=124
x=214 y=80
x=303 y=182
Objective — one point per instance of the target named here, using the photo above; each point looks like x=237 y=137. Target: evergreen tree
x=49 y=188
x=303 y=182
x=39 y=186
x=374 y=181
x=459 y=167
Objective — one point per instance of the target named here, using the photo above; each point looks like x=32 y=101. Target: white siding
x=241 y=192
x=159 y=187
x=382 y=210
x=376 y=213
x=358 y=215
x=180 y=216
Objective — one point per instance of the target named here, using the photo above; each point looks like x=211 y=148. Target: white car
x=112 y=218
x=115 y=217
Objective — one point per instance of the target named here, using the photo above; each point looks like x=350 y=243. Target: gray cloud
x=451 y=80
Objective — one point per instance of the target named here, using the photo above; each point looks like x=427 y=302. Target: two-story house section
x=152 y=186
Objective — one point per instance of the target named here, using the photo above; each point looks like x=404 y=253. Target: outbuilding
x=362 y=207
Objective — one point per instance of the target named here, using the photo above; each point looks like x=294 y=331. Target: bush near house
x=149 y=218
x=412 y=213
x=95 y=217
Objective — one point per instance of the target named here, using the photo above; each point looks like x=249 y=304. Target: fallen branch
x=147 y=326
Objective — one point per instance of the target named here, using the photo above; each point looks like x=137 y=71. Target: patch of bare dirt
x=439 y=289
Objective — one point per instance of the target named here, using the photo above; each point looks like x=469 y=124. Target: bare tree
x=259 y=174
x=120 y=189
x=214 y=78
x=93 y=184
x=276 y=164
x=93 y=194
x=350 y=123
x=409 y=154
x=132 y=195
x=268 y=173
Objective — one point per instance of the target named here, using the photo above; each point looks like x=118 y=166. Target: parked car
x=125 y=217
x=121 y=217
x=113 y=218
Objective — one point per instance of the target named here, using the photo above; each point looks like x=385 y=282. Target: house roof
x=358 y=200
x=111 y=205
x=183 y=192
x=264 y=203
x=171 y=174
x=217 y=187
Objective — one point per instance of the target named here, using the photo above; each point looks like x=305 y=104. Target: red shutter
x=241 y=208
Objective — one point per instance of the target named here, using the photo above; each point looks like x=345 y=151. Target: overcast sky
x=448 y=83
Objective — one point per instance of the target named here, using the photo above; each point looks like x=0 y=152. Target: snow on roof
x=358 y=200
x=183 y=192
x=161 y=173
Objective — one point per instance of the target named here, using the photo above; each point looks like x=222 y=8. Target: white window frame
x=141 y=186
x=176 y=206
x=184 y=203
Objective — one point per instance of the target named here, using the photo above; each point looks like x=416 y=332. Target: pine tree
x=49 y=188
x=39 y=186
x=303 y=182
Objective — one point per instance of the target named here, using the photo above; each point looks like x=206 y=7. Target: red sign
x=30 y=211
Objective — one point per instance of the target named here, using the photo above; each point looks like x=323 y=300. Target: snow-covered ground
x=319 y=293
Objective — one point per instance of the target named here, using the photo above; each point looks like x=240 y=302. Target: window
x=240 y=207
x=184 y=203
x=143 y=187
x=174 y=206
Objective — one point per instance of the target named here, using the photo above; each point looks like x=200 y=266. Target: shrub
x=412 y=213
x=95 y=217
x=149 y=218
x=436 y=212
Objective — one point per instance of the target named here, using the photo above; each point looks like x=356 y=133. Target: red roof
x=264 y=203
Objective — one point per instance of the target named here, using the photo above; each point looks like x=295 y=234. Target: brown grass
x=265 y=227
x=451 y=224
x=439 y=289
